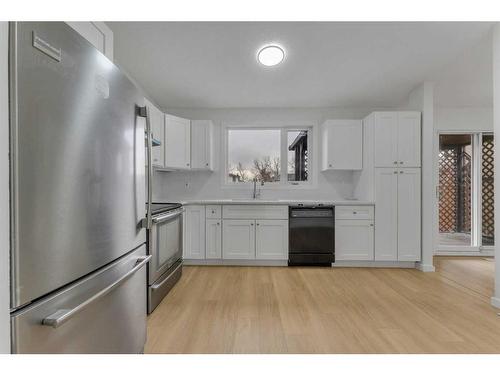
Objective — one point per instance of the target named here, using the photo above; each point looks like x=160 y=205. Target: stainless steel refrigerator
x=78 y=193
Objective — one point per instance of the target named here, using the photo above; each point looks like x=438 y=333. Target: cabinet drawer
x=252 y=211
x=214 y=212
x=354 y=212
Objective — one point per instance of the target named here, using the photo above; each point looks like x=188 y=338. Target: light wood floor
x=329 y=310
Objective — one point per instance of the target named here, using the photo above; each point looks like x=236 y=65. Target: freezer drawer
x=109 y=309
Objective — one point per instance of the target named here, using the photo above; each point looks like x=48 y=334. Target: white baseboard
x=235 y=262
x=482 y=253
x=495 y=302
x=372 y=264
x=425 y=267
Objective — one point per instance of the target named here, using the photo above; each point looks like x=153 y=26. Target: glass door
x=466 y=220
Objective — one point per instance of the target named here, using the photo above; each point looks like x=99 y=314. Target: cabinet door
x=386 y=214
x=238 y=239
x=194 y=233
x=201 y=144
x=386 y=139
x=158 y=133
x=177 y=142
x=98 y=34
x=354 y=240
x=409 y=202
x=214 y=239
x=344 y=145
x=409 y=130
x=271 y=239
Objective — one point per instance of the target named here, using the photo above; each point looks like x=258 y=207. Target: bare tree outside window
x=254 y=153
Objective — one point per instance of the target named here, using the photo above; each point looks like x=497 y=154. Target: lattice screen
x=448 y=190
x=455 y=190
x=487 y=190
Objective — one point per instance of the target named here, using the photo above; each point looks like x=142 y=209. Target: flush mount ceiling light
x=271 y=55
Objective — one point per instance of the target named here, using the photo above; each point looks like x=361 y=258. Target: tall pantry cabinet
x=392 y=178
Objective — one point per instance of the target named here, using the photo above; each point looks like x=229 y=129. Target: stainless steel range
x=165 y=247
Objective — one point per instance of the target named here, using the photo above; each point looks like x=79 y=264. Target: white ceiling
x=331 y=64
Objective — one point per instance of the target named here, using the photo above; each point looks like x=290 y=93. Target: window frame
x=476 y=245
x=284 y=127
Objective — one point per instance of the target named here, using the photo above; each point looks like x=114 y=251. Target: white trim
x=4 y=192
x=240 y=262
x=476 y=199
x=425 y=267
x=372 y=264
x=283 y=126
x=495 y=302
x=482 y=253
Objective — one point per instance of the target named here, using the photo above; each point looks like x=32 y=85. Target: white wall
x=171 y=186
x=4 y=192
x=463 y=118
x=422 y=99
x=495 y=300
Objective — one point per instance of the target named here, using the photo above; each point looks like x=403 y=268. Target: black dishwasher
x=311 y=235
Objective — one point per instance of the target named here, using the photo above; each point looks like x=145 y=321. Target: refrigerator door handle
x=144 y=112
x=62 y=316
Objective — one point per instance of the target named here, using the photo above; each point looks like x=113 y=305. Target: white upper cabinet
x=342 y=145
x=98 y=34
x=177 y=142
x=386 y=139
x=397 y=139
x=409 y=243
x=157 y=121
x=409 y=134
x=202 y=145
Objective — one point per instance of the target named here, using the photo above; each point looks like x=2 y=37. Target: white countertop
x=279 y=202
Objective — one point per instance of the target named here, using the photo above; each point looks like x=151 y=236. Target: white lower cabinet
x=397 y=214
x=238 y=239
x=271 y=239
x=409 y=226
x=213 y=235
x=354 y=240
x=194 y=232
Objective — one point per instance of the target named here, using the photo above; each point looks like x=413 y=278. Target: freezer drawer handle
x=62 y=316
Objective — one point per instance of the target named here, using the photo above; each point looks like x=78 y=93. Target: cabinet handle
x=213 y=211
x=395 y=172
x=251 y=224
x=218 y=223
x=371 y=225
x=187 y=164
x=395 y=162
x=258 y=224
x=400 y=172
x=354 y=212
x=400 y=162
x=206 y=164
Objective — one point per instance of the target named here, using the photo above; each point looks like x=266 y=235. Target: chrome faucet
x=256 y=192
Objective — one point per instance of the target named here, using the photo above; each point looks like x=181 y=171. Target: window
x=263 y=153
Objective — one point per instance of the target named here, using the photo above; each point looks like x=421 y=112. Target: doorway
x=465 y=193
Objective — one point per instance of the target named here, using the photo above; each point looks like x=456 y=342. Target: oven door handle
x=169 y=216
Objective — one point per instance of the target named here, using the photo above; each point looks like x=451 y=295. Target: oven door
x=165 y=243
